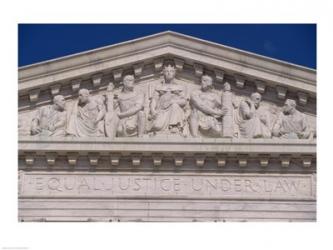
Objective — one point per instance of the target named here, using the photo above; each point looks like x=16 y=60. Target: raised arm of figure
x=197 y=103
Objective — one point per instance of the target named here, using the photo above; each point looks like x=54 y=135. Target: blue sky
x=295 y=43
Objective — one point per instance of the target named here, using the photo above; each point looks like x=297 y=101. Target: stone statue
x=228 y=107
x=50 y=120
x=86 y=117
x=206 y=110
x=127 y=118
x=253 y=119
x=291 y=123
x=168 y=105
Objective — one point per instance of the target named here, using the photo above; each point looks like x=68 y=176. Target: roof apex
x=167 y=44
x=167 y=33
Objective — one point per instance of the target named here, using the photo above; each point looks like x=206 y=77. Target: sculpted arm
x=61 y=122
x=182 y=100
x=137 y=107
x=196 y=102
x=246 y=111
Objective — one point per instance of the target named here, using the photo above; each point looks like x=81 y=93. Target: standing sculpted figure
x=291 y=123
x=253 y=119
x=86 y=118
x=51 y=120
x=127 y=118
x=168 y=105
x=206 y=110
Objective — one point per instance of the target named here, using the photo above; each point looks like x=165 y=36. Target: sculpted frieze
x=168 y=106
x=125 y=111
x=252 y=118
x=50 y=120
x=207 y=110
x=86 y=118
x=291 y=124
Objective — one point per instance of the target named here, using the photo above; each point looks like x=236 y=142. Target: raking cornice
x=167 y=44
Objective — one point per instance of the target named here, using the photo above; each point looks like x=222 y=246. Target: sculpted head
x=256 y=99
x=206 y=82
x=59 y=102
x=226 y=86
x=289 y=106
x=169 y=73
x=84 y=96
x=128 y=82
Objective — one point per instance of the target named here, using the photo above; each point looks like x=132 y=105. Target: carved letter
x=163 y=186
x=136 y=182
x=196 y=188
x=225 y=185
x=54 y=184
x=126 y=186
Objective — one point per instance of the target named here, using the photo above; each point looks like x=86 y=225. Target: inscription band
x=189 y=186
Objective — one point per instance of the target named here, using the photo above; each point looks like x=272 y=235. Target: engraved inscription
x=177 y=186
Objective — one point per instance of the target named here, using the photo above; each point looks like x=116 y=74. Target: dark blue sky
x=295 y=43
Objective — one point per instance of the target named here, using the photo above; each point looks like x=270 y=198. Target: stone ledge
x=174 y=210
x=169 y=145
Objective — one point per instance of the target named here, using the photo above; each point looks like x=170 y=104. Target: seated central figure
x=168 y=105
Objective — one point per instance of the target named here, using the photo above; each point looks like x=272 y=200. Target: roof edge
x=169 y=33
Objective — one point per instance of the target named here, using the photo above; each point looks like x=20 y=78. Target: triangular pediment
x=166 y=128
x=95 y=70
x=151 y=49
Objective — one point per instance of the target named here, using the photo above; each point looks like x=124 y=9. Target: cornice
x=171 y=44
x=221 y=151
x=169 y=145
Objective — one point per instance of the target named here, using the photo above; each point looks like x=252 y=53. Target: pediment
x=185 y=50
x=206 y=133
x=95 y=70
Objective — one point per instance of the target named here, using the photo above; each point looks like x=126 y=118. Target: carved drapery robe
x=169 y=113
x=292 y=126
x=51 y=122
x=207 y=123
x=82 y=121
x=256 y=126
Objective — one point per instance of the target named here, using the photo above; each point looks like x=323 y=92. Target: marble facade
x=167 y=128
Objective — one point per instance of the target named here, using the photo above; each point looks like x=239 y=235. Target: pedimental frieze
x=167 y=100
x=153 y=49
